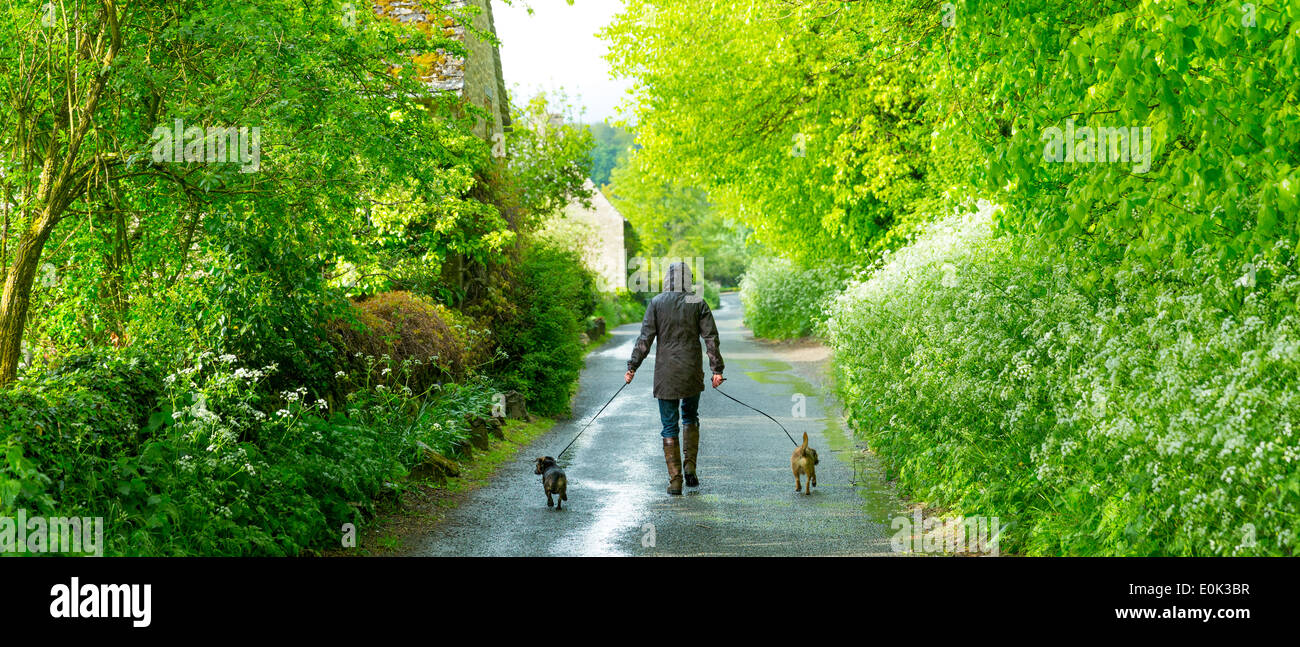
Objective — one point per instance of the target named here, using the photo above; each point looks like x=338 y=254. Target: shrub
x=222 y=467
x=711 y=292
x=260 y=299
x=61 y=425
x=441 y=344
x=554 y=294
x=620 y=308
x=1100 y=409
x=783 y=300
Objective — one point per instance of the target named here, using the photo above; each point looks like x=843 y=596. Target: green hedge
x=208 y=460
x=542 y=344
x=1099 y=408
x=783 y=300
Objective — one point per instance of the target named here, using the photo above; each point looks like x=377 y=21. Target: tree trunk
x=18 y=295
x=62 y=179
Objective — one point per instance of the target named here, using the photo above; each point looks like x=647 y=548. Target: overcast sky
x=557 y=47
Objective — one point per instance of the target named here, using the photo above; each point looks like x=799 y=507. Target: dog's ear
x=539 y=466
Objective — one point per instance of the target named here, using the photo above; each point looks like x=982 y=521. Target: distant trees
x=612 y=144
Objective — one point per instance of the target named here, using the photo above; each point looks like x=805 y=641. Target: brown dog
x=804 y=461
x=553 y=482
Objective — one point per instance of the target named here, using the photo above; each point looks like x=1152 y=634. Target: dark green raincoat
x=679 y=319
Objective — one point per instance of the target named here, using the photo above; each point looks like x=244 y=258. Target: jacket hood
x=678 y=278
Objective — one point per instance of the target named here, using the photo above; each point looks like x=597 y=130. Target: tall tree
x=53 y=93
x=114 y=118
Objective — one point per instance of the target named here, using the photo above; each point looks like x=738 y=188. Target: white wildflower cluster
x=1150 y=412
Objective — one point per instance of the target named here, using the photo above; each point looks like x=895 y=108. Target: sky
x=557 y=47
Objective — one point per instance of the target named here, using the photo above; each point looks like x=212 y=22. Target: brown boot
x=690 y=449
x=674 y=460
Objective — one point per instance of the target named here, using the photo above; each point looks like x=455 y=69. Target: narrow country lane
x=746 y=504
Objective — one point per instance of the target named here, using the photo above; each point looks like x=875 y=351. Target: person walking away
x=679 y=319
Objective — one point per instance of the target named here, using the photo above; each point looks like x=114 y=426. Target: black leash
x=787 y=433
x=593 y=419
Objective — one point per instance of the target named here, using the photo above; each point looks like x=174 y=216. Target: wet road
x=745 y=505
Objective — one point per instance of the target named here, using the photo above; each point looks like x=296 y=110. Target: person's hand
x=627 y=378
x=718 y=380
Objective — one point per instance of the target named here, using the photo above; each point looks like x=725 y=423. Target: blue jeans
x=690 y=414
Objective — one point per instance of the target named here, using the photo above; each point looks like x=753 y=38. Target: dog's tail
x=805 y=441
x=563 y=486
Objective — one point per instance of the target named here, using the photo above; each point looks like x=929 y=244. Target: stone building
x=476 y=78
x=604 y=253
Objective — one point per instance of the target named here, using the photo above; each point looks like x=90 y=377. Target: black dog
x=553 y=481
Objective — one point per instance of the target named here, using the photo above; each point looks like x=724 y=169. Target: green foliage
x=783 y=300
x=1214 y=82
x=1150 y=415
x=619 y=308
x=711 y=292
x=662 y=211
x=1116 y=371
x=807 y=138
x=258 y=299
x=72 y=422
x=677 y=221
x=612 y=144
x=549 y=158
x=838 y=121
x=233 y=279
x=554 y=294
x=222 y=466
x=330 y=116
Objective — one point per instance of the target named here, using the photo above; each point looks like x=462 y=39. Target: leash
x=593 y=419
x=787 y=433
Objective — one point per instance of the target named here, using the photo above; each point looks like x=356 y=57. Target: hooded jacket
x=679 y=319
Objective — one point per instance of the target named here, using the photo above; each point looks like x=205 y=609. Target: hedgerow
x=784 y=300
x=1148 y=413
x=222 y=467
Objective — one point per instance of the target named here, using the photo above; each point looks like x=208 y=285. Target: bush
x=64 y=424
x=258 y=298
x=619 y=308
x=222 y=466
x=441 y=344
x=554 y=294
x=782 y=300
x=711 y=292
x=1100 y=409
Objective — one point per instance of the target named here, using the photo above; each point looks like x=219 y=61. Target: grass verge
x=423 y=504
